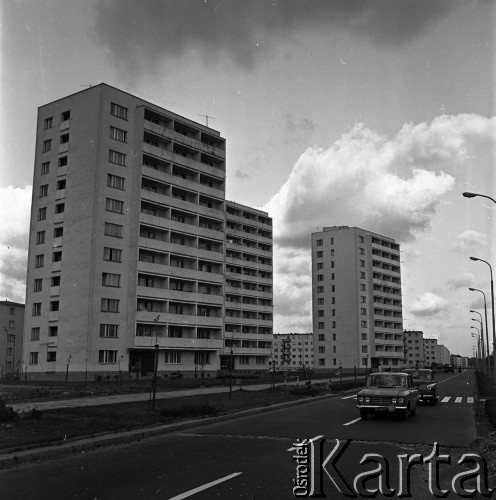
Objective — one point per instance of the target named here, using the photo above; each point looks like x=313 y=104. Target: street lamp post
x=485 y=315
x=478 y=351
x=484 y=357
x=492 y=310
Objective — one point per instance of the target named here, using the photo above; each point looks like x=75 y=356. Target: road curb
x=56 y=450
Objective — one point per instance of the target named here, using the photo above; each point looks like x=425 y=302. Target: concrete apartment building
x=293 y=351
x=11 y=339
x=249 y=281
x=414 y=349
x=356 y=300
x=127 y=250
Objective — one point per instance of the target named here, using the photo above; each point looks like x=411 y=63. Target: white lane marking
x=458 y=400
x=352 y=421
x=470 y=400
x=349 y=397
x=192 y=492
x=293 y=448
x=446 y=399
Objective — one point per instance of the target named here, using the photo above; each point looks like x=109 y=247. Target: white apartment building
x=293 y=351
x=11 y=338
x=356 y=300
x=414 y=349
x=127 y=249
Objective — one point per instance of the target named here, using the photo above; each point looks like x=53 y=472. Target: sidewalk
x=145 y=396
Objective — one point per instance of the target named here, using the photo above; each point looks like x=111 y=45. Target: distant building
x=356 y=300
x=430 y=352
x=459 y=361
x=443 y=356
x=414 y=349
x=11 y=341
x=293 y=351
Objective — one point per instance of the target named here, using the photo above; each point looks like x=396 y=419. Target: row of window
x=104 y=357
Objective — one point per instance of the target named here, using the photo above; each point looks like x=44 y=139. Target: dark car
x=385 y=393
x=449 y=369
x=424 y=382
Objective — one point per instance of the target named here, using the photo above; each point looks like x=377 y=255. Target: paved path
x=145 y=396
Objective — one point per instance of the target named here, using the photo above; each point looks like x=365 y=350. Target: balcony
x=178 y=295
x=178 y=343
x=57 y=242
x=63 y=148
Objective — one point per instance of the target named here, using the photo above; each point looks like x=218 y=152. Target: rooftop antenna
x=206 y=118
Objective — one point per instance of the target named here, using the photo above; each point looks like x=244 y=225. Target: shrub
x=7 y=413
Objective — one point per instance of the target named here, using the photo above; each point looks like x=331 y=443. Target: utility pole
x=206 y=118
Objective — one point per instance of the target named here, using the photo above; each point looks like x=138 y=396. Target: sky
x=376 y=114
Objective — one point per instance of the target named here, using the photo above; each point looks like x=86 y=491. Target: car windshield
x=421 y=374
x=387 y=380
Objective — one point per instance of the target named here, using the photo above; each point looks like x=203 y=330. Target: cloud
x=303 y=125
x=429 y=304
x=15 y=208
x=465 y=280
x=392 y=186
x=470 y=241
x=139 y=33
x=239 y=174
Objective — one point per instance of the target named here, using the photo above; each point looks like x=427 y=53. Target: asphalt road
x=253 y=457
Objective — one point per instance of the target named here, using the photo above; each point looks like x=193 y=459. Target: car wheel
x=364 y=414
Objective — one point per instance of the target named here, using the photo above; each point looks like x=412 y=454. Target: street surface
x=252 y=457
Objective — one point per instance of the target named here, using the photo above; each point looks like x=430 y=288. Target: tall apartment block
x=414 y=349
x=11 y=337
x=127 y=250
x=248 y=306
x=356 y=300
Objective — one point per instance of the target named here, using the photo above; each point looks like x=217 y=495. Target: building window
x=119 y=111
x=362 y=275
x=35 y=334
x=175 y=332
x=60 y=208
x=118 y=134
x=42 y=213
x=321 y=361
x=40 y=237
x=61 y=184
x=54 y=305
x=114 y=230
x=108 y=331
x=112 y=205
x=244 y=360
x=43 y=190
x=110 y=305
x=362 y=251
x=63 y=161
x=33 y=358
x=51 y=356
x=57 y=256
x=37 y=309
x=117 y=158
x=107 y=357
x=53 y=331
x=320 y=289
x=363 y=299
x=363 y=311
x=203 y=358
x=38 y=285
x=333 y=300
x=39 y=261
x=320 y=254
x=116 y=182
x=320 y=277
x=110 y=279
x=47 y=146
x=332 y=264
x=321 y=337
x=58 y=232
x=45 y=168
x=321 y=325
x=112 y=254
x=55 y=281
x=320 y=243
x=320 y=301
x=172 y=357
x=361 y=239
x=48 y=123
x=64 y=139
x=320 y=313
x=363 y=323
x=365 y=349
x=66 y=115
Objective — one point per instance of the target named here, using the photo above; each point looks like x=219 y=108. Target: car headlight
x=367 y=400
x=360 y=399
x=393 y=401
x=401 y=401
x=430 y=386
